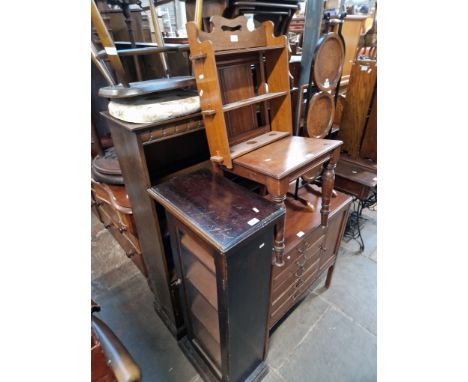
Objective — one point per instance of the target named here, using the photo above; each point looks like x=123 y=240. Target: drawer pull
x=296 y=295
x=122 y=229
x=301 y=269
x=307 y=245
x=130 y=254
x=299 y=264
x=299 y=284
x=307 y=257
x=107 y=226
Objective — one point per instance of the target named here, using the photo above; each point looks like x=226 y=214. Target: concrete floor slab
x=354 y=289
x=337 y=350
x=293 y=329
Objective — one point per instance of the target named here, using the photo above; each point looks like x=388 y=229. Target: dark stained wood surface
x=215 y=208
x=135 y=172
x=283 y=157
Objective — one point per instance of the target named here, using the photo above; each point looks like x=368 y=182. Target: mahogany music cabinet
x=221 y=237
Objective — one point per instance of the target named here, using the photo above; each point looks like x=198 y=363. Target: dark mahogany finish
x=147 y=154
x=222 y=238
x=310 y=249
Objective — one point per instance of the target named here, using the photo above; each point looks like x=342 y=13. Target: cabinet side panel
x=248 y=288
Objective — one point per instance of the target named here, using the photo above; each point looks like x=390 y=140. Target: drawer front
x=298 y=269
x=296 y=257
x=296 y=283
x=294 y=295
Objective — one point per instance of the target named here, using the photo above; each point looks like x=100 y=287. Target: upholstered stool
x=155 y=107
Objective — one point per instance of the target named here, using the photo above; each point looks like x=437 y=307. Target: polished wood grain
x=284 y=157
x=311 y=249
x=320 y=115
x=358 y=100
x=218 y=202
x=369 y=139
x=328 y=61
x=256 y=142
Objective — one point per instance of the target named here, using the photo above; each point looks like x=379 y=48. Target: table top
x=281 y=158
x=220 y=211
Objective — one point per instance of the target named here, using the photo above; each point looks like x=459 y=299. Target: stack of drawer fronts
x=310 y=250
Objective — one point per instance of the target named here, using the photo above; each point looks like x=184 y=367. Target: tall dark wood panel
x=148 y=153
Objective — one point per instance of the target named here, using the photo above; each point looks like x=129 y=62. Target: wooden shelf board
x=207 y=316
x=257 y=142
x=201 y=253
x=252 y=100
x=204 y=281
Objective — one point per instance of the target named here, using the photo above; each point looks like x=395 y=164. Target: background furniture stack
x=148 y=152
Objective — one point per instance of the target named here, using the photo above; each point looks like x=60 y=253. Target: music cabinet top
x=281 y=158
x=222 y=212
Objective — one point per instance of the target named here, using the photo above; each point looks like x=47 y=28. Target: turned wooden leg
x=328 y=181
x=279 y=233
x=329 y=276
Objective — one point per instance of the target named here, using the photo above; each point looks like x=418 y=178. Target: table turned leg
x=328 y=181
x=279 y=233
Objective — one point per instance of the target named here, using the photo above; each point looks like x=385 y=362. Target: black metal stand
x=355 y=220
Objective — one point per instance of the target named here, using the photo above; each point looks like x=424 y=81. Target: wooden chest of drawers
x=221 y=238
x=310 y=250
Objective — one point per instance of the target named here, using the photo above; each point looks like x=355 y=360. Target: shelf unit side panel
x=208 y=86
x=277 y=72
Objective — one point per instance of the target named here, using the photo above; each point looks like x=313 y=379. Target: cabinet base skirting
x=177 y=332
x=195 y=359
x=206 y=373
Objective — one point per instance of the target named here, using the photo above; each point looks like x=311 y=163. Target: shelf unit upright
x=242 y=79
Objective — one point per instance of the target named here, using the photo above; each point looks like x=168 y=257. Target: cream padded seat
x=155 y=107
